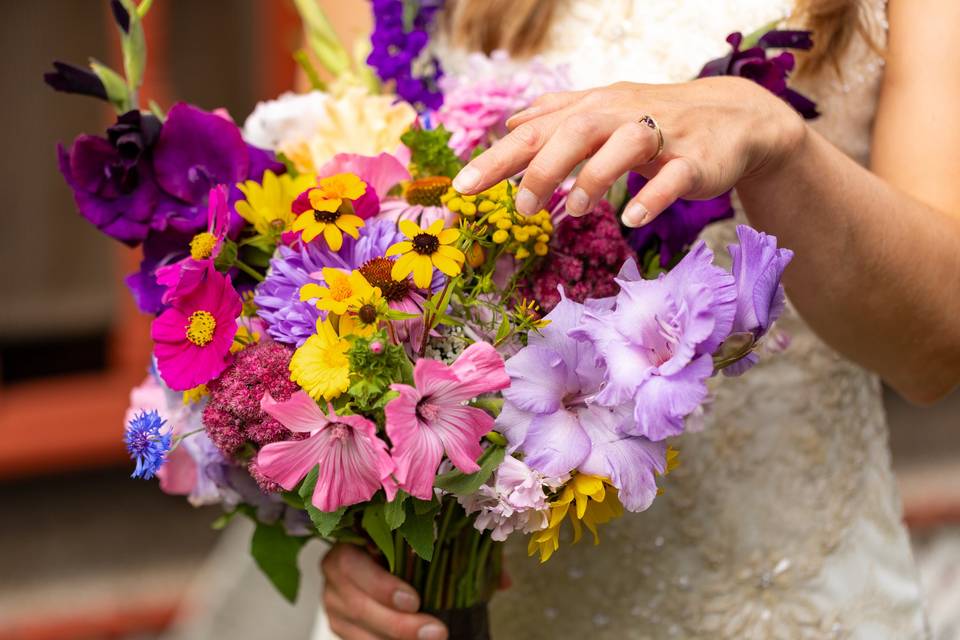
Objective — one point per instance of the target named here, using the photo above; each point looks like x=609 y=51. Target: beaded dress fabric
x=782 y=520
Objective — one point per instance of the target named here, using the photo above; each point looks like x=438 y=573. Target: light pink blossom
x=353 y=461
x=432 y=418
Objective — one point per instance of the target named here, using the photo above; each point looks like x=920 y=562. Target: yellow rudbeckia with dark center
x=328 y=210
x=426 y=249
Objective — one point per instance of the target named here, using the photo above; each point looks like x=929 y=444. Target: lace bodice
x=782 y=520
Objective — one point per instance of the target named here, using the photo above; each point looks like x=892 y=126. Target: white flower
x=290 y=118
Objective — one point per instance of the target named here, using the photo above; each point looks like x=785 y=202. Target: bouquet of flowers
x=346 y=348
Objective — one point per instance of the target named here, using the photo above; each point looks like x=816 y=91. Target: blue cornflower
x=146 y=444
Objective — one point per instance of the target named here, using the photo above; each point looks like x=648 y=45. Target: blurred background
x=88 y=553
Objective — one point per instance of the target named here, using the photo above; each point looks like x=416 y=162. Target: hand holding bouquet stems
x=348 y=348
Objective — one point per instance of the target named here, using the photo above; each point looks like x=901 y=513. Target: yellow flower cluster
x=522 y=236
x=595 y=502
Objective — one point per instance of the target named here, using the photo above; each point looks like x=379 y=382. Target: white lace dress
x=782 y=521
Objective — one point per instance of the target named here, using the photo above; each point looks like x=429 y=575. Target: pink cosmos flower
x=185 y=275
x=353 y=461
x=432 y=418
x=192 y=338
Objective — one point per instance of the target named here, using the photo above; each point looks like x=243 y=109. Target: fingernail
x=523 y=114
x=467 y=179
x=432 y=631
x=578 y=202
x=405 y=601
x=526 y=202
x=635 y=215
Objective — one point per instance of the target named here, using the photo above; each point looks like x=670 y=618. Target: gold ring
x=648 y=121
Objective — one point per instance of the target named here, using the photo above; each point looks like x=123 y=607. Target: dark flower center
x=377 y=273
x=427 y=411
x=367 y=314
x=426 y=244
x=427 y=191
x=325 y=216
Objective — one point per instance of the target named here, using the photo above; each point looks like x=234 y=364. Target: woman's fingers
x=632 y=144
x=508 y=156
x=348 y=563
x=577 y=137
x=547 y=103
x=678 y=178
x=359 y=609
x=360 y=593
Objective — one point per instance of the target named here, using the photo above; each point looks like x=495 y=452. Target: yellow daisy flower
x=342 y=289
x=427 y=248
x=331 y=210
x=268 y=202
x=321 y=365
x=595 y=501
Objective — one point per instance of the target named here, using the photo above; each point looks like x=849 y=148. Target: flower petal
x=556 y=444
x=422 y=270
x=287 y=463
x=403 y=266
x=409 y=228
x=400 y=248
x=333 y=236
x=539 y=379
x=448 y=236
x=299 y=414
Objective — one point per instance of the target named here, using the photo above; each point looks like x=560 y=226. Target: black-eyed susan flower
x=328 y=209
x=426 y=249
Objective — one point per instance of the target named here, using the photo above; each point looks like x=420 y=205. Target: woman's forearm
x=876 y=273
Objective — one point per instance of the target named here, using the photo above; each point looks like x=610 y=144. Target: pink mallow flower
x=432 y=418
x=192 y=338
x=353 y=461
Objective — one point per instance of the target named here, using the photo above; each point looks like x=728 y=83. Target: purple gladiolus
x=550 y=413
x=656 y=342
x=398 y=40
x=771 y=73
x=757 y=268
x=679 y=225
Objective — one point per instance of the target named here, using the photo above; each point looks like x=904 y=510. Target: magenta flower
x=185 y=275
x=192 y=338
x=353 y=461
x=656 y=343
x=432 y=418
x=551 y=416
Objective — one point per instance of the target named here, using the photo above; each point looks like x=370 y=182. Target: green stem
x=434 y=564
x=247 y=269
x=301 y=58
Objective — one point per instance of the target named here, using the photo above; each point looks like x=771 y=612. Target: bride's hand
x=717 y=131
x=364 y=602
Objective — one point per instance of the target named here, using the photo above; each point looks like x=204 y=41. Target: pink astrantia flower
x=431 y=418
x=353 y=461
x=185 y=275
x=192 y=338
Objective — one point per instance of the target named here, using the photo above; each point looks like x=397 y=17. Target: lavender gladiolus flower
x=656 y=343
x=679 y=225
x=549 y=413
x=770 y=73
x=757 y=268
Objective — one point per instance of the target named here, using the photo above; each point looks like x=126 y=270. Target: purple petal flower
x=679 y=225
x=70 y=79
x=549 y=414
x=770 y=73
x=656 y=344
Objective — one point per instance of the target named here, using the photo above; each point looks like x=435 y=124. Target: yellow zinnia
x=321 y=365
x=427 y=248
x=596 y=502
x=342 y=289
x=268 y=202
x=331 y=210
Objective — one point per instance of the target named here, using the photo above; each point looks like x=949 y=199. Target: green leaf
x=394 y=512
x=324 y=521
x=157 y=110
x=113 y=82
x=417 y=528
x=423 y=507
x=503 y=330
x=375 y=524
x=276 y=553
x=459 y=483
